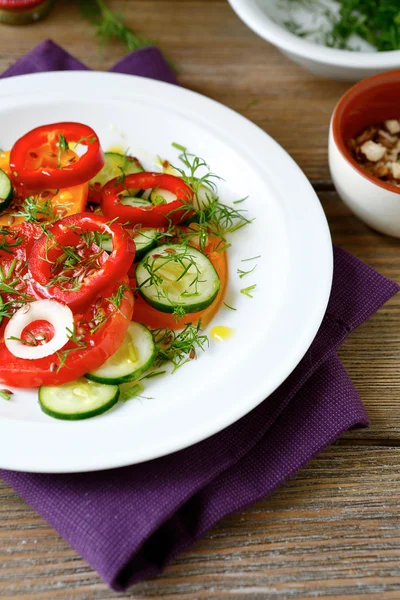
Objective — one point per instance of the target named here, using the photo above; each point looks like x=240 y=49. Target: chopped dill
x=179 y=348
x=129 y=392
x=374 y=21
x=110 y=26
x=243 y=273
x=230 y=307
x=5 y=394
x=251 y=258
x=249 y=290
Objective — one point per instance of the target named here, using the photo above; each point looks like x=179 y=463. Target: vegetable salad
x=108 y=272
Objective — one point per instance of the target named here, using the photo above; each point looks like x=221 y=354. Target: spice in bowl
x=377 y=150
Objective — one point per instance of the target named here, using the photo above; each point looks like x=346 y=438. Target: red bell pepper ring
x=94 y=278
x=160 y=215
x=54 y=176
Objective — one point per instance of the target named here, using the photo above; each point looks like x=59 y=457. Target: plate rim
x=149 y=86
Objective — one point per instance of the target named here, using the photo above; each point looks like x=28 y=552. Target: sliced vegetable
x=68 y=264
x=98 y=333
x=136 y=202
x=5 y=161
x=46 y=205
x=177 y=276
x=154 y=215
x=135 y=355
x=115 y=165
x=149 y=316
x=6 y=192
x=145 y=240
x=160 y=196
x=58 y=315
x=80 y=399
x=41 y=158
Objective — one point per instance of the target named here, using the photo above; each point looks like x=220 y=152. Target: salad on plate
x=108 y=272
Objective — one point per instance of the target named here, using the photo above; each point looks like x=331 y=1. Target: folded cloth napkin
x=129 y=523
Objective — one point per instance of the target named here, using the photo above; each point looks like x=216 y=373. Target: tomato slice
x=74 y=360
x=154 y=319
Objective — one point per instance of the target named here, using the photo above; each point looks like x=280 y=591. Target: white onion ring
x=55 y=313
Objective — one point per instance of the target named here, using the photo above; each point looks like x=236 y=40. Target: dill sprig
x=63 y=355
x=110 y=26
x=374 y=21
x=36 y=209
x=62 y=148
x=9 y=240
x=179 y=348
x=249 y=290
x=5 y=394
x=211 y=216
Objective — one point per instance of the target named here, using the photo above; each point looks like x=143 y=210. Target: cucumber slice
x=176 y=275
x=135 y=355
x=144 y=240
x=79 y=399
x=6 y=192
x=160 y=196
x=114 y=166
x=135 y=201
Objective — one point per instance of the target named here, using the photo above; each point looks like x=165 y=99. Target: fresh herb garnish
x=179 y=348
x=153 y=374
x=243 y=273
x=185 y=262
x=5 y=394
x=127 y=393
x=210 y=215
x=374 y=21
x=110 y=26
x=62 y=148
x=6 y=244
x=227 y=306
x=178 y=147
x=62 y=355
x=36 y=209
x=100 y=317
x=248 y=291
x=251 y=258
x=32 y=341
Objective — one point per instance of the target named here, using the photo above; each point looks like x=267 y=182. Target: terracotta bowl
x=369 y=102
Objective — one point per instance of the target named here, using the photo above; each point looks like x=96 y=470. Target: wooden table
x=335 y=529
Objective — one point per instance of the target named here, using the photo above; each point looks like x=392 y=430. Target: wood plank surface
x=333 y=531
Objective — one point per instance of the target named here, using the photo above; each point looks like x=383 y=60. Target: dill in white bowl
x=361 y=25
x=342 y=39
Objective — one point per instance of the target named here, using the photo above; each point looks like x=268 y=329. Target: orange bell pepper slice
x=68 y=201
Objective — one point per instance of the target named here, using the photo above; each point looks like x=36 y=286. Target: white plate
x=272 y=331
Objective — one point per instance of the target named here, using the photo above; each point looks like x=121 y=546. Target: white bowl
x=376 y=206
x=263 y=16
x=369 y=102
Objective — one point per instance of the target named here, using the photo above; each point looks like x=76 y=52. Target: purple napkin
x=129 y=523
